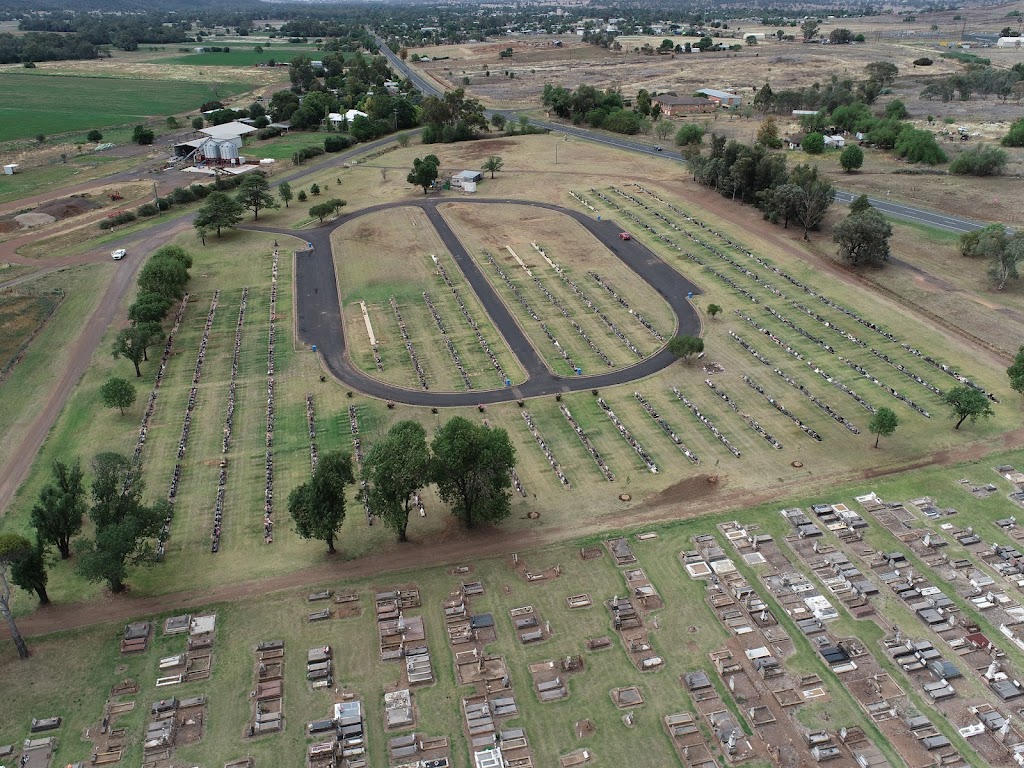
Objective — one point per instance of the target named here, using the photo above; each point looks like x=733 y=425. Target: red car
x=624 y=236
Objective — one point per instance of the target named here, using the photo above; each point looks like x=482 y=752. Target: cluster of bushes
x=306 y=153
x=179 y=196
x=164 y=276
x=44 y=46
x=966 y=58
x=1015 y=136
x=336 y=143
x=216 y=49
x=979 y=161
x=981 y=78
x=588 y=105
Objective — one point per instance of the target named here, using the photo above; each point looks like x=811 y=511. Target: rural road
x=319 y=317
x=895 y=210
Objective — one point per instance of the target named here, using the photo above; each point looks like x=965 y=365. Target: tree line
x=45 y=46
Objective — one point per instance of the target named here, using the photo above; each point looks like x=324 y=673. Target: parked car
x=119 y=254
x=624 y=236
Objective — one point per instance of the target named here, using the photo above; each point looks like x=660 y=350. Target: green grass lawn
x=50 y=104
x=238 y=56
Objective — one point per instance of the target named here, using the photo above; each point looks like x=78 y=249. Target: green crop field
x=52 y=104
x=242 y=57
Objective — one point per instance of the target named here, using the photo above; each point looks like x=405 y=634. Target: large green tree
x=396 y=469
x=1016 y=372
x=12 y=549
x=220 y=211
x=117 y=393
x=470 y=466
x=318 y=506
x=851 y=158
x=1002 y=251
x=124 y=526
x=149 y=308
x=685 y=346
x=254 y=193
x=163 y=276
x=863 y=238
x=967 y=403
x=132 y=343
x=424 y=172
x=883 y=424
x=30 y=574
x=57 y=516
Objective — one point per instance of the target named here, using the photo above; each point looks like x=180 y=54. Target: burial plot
x=347 y=605
x=398 y=709
x=627 y=697
x=136 y=638
x=319 y=667
x=37 y=753
x=351 y=733
x=579 y=601
x=621 y=551
x=177 y=625
x=268 y=697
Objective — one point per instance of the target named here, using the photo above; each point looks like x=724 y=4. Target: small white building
x=835 y=141
x=466 y=180
x=10 y=169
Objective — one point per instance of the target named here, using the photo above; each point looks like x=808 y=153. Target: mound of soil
x=47 y=213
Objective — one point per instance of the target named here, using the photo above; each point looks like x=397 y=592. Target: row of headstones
x=803 y=332
x=148 y=415
x=891 y=390
x=774 y=339
x=513 y=476
x=587 y=444
x=628 y=436
x=408 y=345
x=747 y=418
x=545 y=450
x=529 y=310
x=314 y=456
x=357 y=446
x=795 y=384
x=589 y=304
x=665 y=427
x=948 y=370
x=708 y=424
x=625 y=305
x=471 y=322
x=268 y=490
x=566 y=314
x=448 y=341
x=229 y=421
x=730 y=261
x=782 y=409
x=186 y=426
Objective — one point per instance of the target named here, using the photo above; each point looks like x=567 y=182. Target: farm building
x=721 y=98
x=218 y=142
x=795 y=141
x=835 y=141
x=1010 y=42
x=683 y=105
x=466 y=180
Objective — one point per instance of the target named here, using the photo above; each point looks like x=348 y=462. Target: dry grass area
x=131 y=69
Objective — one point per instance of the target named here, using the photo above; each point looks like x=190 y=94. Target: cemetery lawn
x=680 y=489
x=89 y=661
x=50 y=104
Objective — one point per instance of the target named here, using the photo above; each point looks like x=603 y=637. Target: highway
x=890 y=208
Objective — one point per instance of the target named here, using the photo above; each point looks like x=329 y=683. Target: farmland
x=237 y=57
x=64 y=103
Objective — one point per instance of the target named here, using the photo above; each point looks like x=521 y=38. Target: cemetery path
x=319 y=313
x=693 y=497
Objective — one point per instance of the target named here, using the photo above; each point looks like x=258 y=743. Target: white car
x=118 y=254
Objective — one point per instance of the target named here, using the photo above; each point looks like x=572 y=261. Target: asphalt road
x=892 y=209
x=319 y=318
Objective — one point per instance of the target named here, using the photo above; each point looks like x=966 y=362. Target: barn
x=221 y=143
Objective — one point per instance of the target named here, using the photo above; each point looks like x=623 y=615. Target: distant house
x=683 y=105
x=835 y=141
x=794 y=142
x=721 y=98
x=337 y=119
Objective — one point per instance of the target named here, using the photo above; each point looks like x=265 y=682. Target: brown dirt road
x=79 y=355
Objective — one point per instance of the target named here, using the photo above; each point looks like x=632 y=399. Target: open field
x=22 y=315
x=41 y=103
x=237 y=56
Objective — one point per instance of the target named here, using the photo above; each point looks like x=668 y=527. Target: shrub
x=924 y=61
x=94 y=136
x=814 y=144
x=690 y=133
x=199 y=191
x=314 y=189
x=182 y=195
x=336 y=143
x=301 y=197
x=1015 y=137
x=268 y=133
x=29 y=65
x=148 y=209
x=980 y=161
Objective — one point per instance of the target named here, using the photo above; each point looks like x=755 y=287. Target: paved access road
x=895 y=210
x=319 y=317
